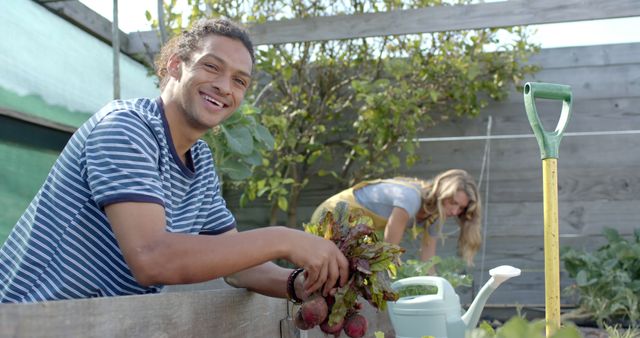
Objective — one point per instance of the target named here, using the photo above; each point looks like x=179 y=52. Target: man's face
x=213 y=81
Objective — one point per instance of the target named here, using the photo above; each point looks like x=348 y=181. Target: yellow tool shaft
x=551 y=244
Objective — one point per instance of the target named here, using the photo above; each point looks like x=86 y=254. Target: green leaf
x=237 y=171
x=485 y=326
x=567 y=332
x=581 y=278
x=434 y=95
x=283 y=204
x=239 y=139
x=265 y=137
x=255 y=158
x=235 y=118
x=314 y=156
x=612 y=235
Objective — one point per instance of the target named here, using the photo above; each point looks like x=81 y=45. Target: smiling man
x=133 y=202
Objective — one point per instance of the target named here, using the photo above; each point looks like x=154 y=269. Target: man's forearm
x=268 y=279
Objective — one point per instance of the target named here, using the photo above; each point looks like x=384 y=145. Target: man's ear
x=174 y=66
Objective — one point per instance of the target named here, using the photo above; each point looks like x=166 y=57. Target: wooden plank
x=618 y=81
x=606 y=82
x=524 y=251
x=602 y=55
x=509 y=118
x=86 y=19
x=574 y=185
x=607 y=114
x=217 y=313
x=144 y=43
x=441 y=18
x=37 y=120
x=423 y=20
x=576 y=219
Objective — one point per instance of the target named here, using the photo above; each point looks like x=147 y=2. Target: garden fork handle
x=548 y=141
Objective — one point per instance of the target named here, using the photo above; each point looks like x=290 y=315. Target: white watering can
x=440 y=315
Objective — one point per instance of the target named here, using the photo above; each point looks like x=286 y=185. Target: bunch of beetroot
x=371 y=262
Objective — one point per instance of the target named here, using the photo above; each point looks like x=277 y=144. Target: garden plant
x=607 y=280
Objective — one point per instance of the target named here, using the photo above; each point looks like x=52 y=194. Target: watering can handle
x=417 y=280
x=549 y=142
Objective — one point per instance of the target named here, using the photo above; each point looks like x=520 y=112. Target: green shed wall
x=50 y=70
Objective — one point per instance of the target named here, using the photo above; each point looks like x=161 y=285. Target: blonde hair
x=446 y=185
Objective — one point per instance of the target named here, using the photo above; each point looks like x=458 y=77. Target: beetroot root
x=300 y=323
x=332 y=329
x=356 y=326
x=314 y=311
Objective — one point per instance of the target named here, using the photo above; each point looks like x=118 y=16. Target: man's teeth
x=212 y=100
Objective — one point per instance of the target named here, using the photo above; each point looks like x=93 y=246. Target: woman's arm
x=428 y=248
x=396 y=224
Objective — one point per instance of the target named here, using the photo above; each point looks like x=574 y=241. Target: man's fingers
x=343 y=266
x=319 y=281
x=334 y=274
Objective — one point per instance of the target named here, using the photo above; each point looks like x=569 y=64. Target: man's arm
x=157 y=257
x=268 y=279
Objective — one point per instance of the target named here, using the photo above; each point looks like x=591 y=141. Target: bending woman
x=399 y=203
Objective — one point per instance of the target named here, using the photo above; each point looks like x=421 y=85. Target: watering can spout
x=498 y=276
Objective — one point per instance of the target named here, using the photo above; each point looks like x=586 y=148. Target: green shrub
x=607 y=281
x=449 y=268
x=520 y=327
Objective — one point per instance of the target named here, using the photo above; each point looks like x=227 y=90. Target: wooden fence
x=598 y=168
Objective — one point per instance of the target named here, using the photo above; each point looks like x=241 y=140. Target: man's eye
x=241 y=82
x=211 y=66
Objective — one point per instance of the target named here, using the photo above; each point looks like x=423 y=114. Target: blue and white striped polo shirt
x=63 y=246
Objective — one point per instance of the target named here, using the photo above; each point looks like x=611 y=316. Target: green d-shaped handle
x=548 y=141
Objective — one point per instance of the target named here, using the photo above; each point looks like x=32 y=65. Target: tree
x=359 y=104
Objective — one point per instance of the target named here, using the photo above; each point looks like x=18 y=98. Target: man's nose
x=222 y=84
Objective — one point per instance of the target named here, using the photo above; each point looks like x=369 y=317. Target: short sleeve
x=121 y=161
x=408 y=199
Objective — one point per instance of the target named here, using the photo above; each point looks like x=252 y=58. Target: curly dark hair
x=186 y=42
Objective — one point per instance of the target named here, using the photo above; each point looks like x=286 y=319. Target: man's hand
x=323 y=262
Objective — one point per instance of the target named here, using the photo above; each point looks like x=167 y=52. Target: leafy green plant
x=238 y=143
x=520 y=327
x=607 y=281
x=449 y=268
x=616 y=332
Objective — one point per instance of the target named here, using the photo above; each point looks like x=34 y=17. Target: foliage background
x=351 y=109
